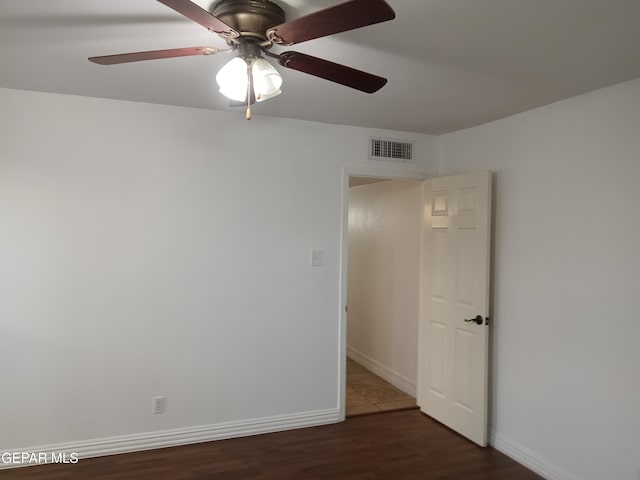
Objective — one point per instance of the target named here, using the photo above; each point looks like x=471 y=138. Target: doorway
x=382 y=288
x=454 y=222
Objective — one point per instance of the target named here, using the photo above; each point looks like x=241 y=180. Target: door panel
x=453 y=360
x=463 y=348
x=436 y=358
x=438 y=264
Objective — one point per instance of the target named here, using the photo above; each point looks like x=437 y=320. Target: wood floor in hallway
x=405 y=445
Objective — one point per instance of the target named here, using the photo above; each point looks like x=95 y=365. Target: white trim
x=394 y=378
x=381 y=172
x=342 y=302
x=184 y=436
x=530 y=459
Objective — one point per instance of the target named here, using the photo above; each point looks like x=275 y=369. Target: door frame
x=356 y=171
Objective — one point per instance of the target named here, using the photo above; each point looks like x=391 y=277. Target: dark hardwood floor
x=395 y=445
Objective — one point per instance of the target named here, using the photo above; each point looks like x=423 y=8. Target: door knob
x=477 y=320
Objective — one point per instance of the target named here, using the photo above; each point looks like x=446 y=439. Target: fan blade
x=153 y=55
x=343 y=17
x=350 y=77
x=200 y=15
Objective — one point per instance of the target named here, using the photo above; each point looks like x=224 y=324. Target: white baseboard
x=530 y=459
x=384 y=372
x=183 y=436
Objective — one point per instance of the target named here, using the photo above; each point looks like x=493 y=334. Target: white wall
x=154 y=250
x=566 y=360
x=383 y=279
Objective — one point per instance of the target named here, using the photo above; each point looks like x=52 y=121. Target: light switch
x=316 y=258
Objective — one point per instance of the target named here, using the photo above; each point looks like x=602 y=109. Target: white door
x=452 y=346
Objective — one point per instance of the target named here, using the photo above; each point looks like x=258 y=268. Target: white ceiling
x=451 y=64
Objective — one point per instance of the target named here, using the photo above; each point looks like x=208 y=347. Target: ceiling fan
x=252 y=28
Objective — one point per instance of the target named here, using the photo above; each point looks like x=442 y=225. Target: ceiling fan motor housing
x=250 y=18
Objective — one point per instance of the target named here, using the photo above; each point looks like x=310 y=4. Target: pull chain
x=249 y=88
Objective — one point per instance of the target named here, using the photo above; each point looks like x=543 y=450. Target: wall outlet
x=316 y=258
x=159 y=405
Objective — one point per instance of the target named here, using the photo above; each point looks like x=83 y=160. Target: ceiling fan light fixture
x=252 y=27
x=232 y=79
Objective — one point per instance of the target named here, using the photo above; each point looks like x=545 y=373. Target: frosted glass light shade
x=232 y=80
x=266 y=80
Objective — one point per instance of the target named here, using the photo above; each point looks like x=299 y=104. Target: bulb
x=232 y=79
